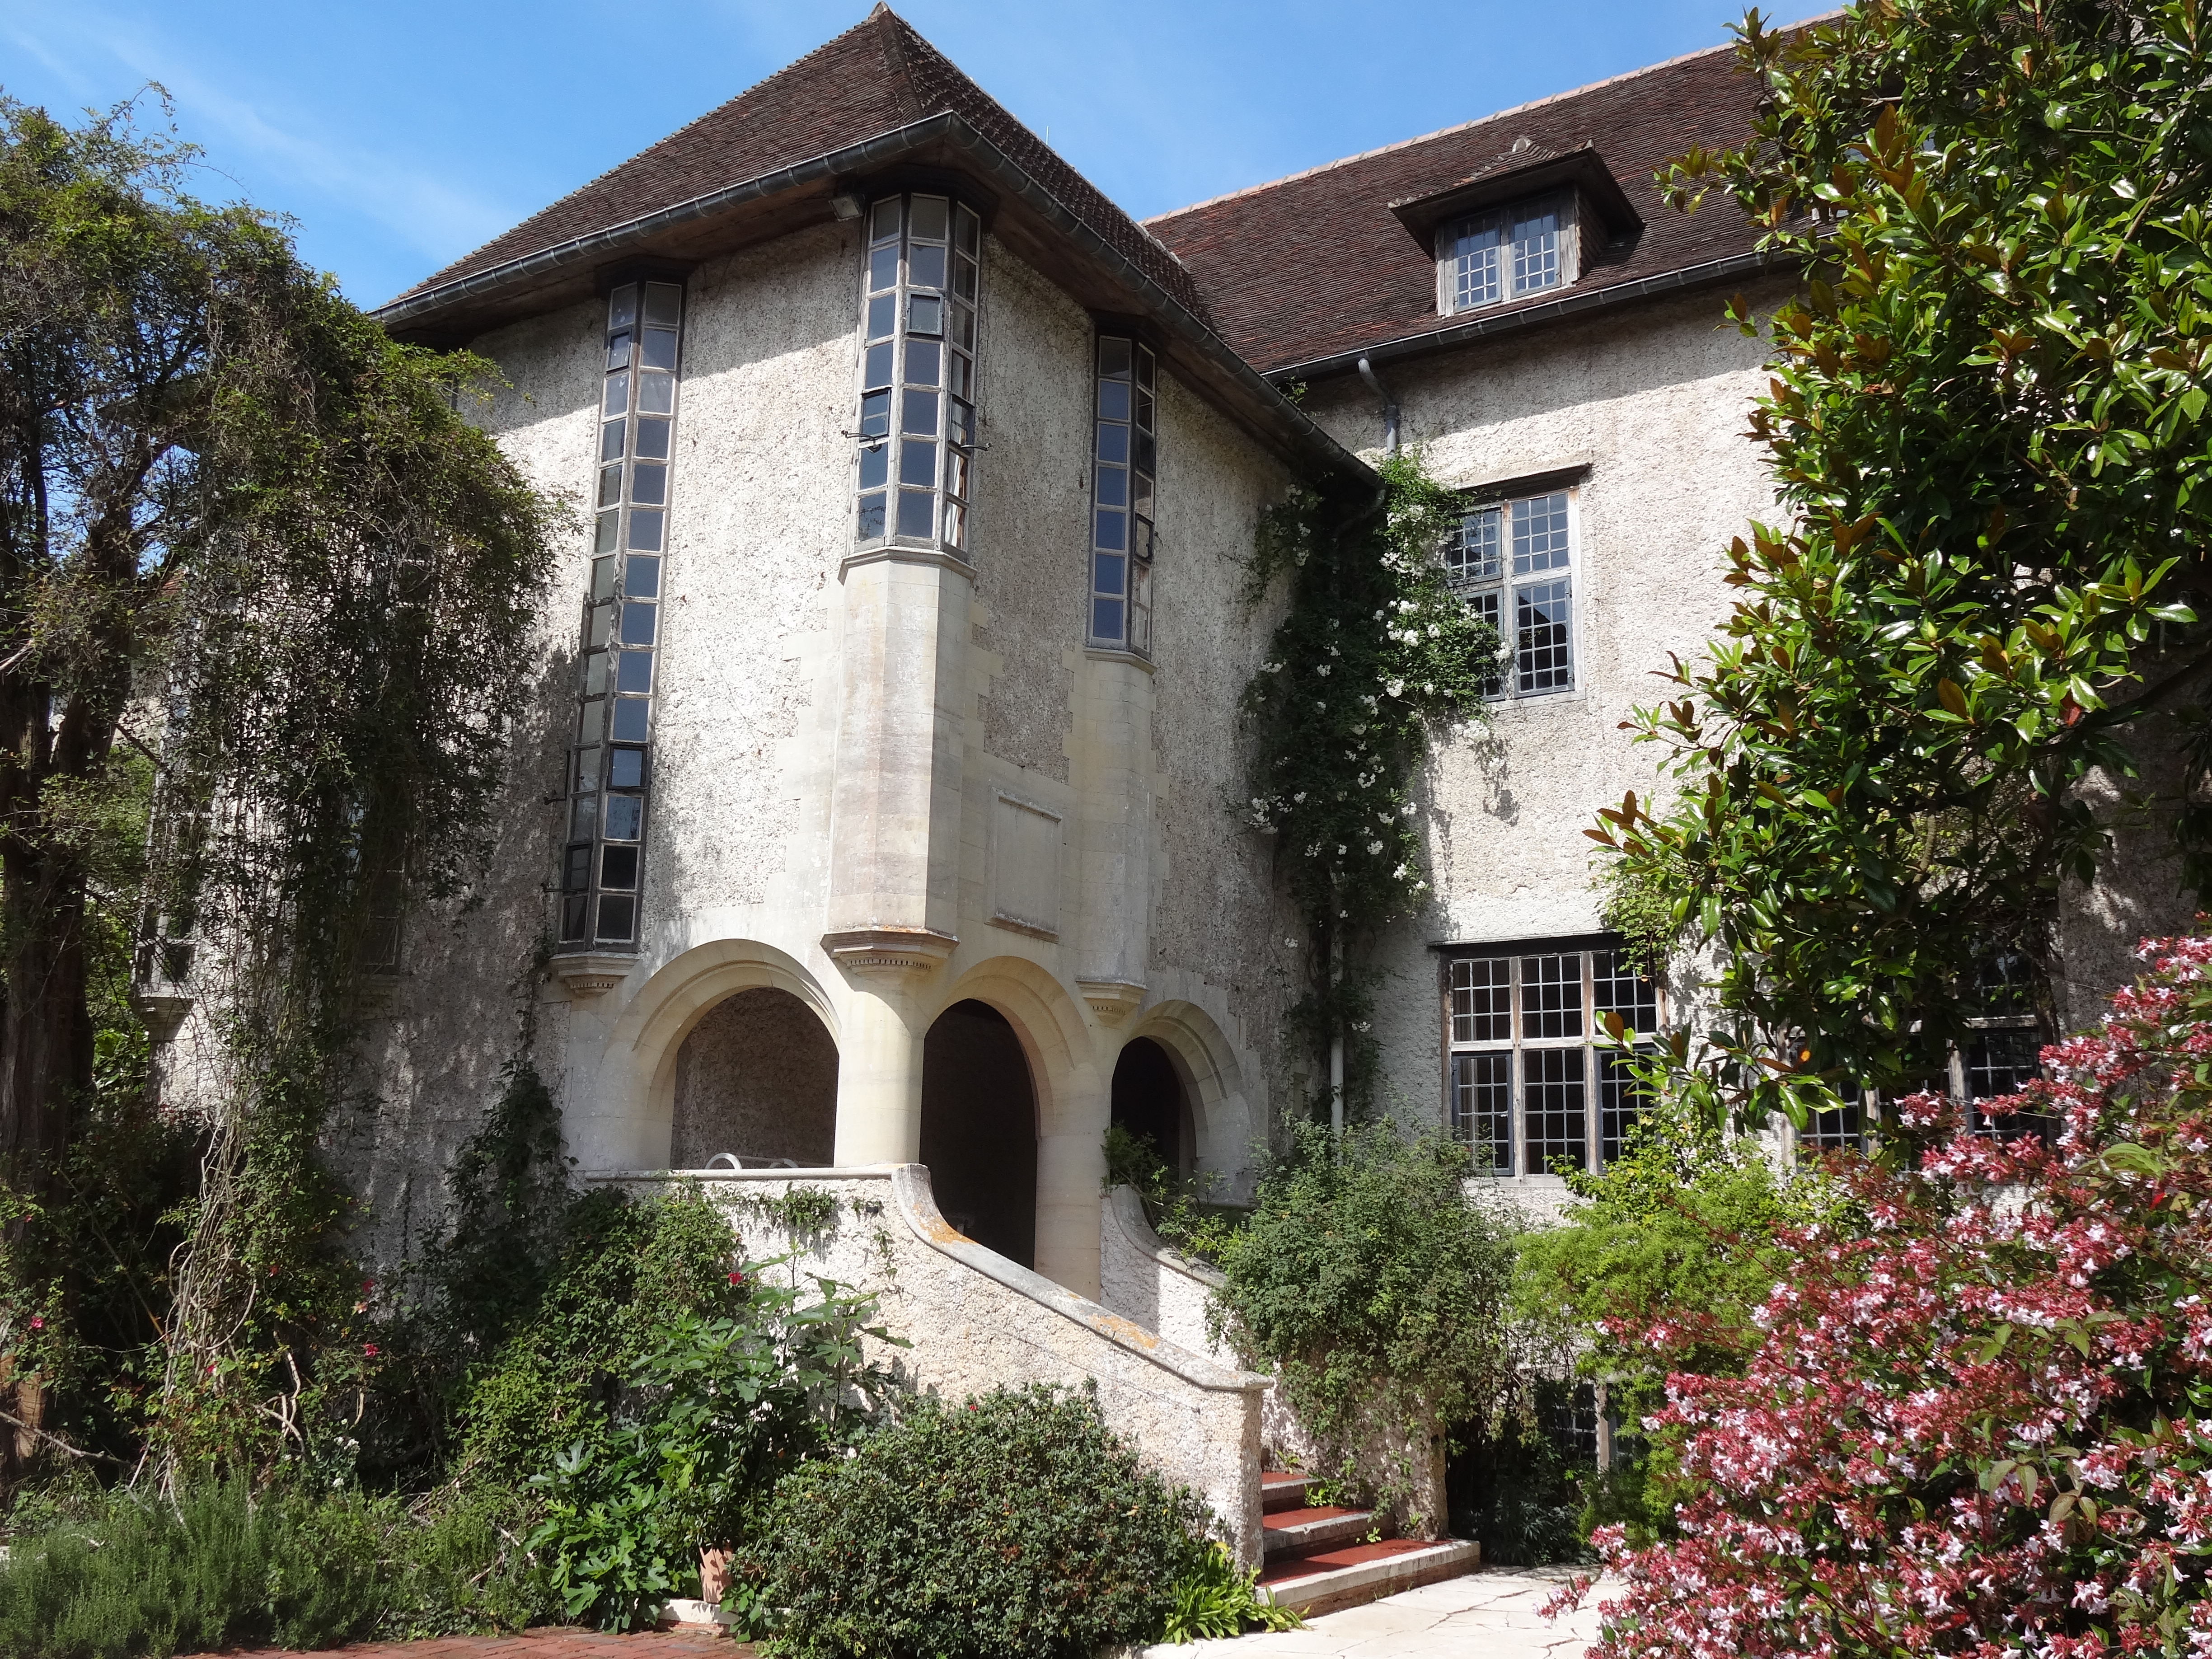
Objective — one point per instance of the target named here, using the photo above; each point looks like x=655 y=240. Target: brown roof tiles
x=1316 y=265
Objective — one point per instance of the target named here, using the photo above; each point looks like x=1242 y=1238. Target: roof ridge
x=1446 y=132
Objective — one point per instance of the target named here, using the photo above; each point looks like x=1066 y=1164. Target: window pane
x=924 y=267
x=1106 y=619
x=583 y=816
x=618 y=868
x=875 y=414
x=625 y=814
x=1113 y=400
x=883 y=313
x=635 y=673
x=622 y=306
x=1551 y=1106
x=1142 y=456
x=1112 y=486
x=597 y=626
x=625 y=770
x=572 y=919
x=963 y=332
x=963 y=280
x=875 y=465
x=652 y=439
x=1536 y=252
x=883 y=268
x=637 y=624
x=1113 y=443
x=968 y=229
x=922 y=358
x=925 y=314
x=588 y=770
x=1113 y=532
x=591 y=721
x=1144 y=411
x=609 y=486
x=642 y=577
x=645 y=529
x=1107 y=571
x=918 y=413
x=957 y=463
x=659 y=351
x=878 y=369
x=917 y=511
x=1618 y=1102
x=1471 y=548
x=618 y=917
x=1541 y=660
x=918 y=462
x=618 y=398
x=956 y=524
x=610 y=439
x=883 y=219
x=1482 y=1108
x=959 y=376
x=603 y=579
x=1482 y=999
x=1144 y=367
x=1552 y=996
x=1540 y=534
x=871 y=526
x=960 y=420
x=929 y=220
x=618 y=350
x=595 y=673
x=1140 y=493
x=1474 y=275
x=1113 y=356
x=648 y=484
x=1484 y=606
x=664 y=303
x=1617 y=989
x=629 y=722
x=656 y=394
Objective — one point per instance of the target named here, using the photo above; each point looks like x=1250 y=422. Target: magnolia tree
x=1982 y=1423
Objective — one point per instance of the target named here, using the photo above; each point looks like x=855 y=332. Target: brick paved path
x=557 y=1642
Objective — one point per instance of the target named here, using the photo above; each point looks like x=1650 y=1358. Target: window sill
x=1108 y=654
x=894 y=553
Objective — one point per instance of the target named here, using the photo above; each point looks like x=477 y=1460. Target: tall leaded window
x=1125 y=464
x=1514 y=563
x=918 y=371
x=1526 y=1083
x=608 y=772
x=1506 y=253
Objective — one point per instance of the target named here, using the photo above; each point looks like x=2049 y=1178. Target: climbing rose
x=1980 y=1421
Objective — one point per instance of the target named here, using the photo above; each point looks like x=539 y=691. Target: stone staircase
x=1321 y=1559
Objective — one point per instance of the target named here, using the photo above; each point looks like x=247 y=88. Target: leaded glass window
x=917 y=422
x=1531 y=1081
x=1125 y=464
x=1506 y=253
x=601 y=866
x=1513 y=562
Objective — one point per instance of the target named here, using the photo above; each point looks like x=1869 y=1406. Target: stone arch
x=979 y=1128
x=627 y=1117
x=1149 y=1098
x=756 y=1079
x=1222 y=1121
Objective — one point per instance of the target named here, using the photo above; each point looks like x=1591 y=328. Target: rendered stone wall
x=757 y=1078
x=977 y=1321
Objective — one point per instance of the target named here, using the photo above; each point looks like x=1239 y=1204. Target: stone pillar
x=895 y=833
x=1071 y=1172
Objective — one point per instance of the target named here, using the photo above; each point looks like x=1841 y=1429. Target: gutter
x=600 y=245
x=1361 y=359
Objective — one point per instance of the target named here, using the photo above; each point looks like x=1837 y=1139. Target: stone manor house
x=880 y=806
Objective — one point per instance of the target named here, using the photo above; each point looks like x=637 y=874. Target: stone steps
x=1321 y=1558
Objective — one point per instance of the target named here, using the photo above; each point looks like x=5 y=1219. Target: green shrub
x=713 y=1416
x=1016 y=1523
x=1213 y=1600
x=1375 y=1289
x=139 y=1576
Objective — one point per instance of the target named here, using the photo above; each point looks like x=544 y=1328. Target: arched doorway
x=979 y=1128
x=1149 y=1102
x=756 y=1077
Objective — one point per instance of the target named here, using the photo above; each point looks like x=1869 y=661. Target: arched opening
x=1149 y=1102
x=756 y=1077
x=979 y=1128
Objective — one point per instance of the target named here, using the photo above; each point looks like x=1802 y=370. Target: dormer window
x=1528 y=224
x=1506 y=253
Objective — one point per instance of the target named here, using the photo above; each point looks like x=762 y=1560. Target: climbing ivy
x=1374 y=651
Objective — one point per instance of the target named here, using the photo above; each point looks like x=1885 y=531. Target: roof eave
x=1490 y=324
x=1272 y=416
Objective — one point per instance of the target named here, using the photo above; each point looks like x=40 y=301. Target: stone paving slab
x=1493 y=1613
x=547 y=1642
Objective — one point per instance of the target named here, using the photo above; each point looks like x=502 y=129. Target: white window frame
x=1473 y=1047
x=1495 y=586
x=1507 y=221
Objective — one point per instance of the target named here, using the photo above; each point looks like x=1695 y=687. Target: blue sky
x=401 y=135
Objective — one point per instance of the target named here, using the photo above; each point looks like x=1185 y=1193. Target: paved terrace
x=1491 y=1615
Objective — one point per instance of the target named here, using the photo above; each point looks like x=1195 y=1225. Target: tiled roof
x=1315 y=264
x=877 y=76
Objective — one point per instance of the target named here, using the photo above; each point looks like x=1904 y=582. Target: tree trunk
x=46 y=1034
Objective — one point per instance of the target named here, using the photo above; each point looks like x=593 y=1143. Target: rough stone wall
x=1652 y=402
x=758 y=1077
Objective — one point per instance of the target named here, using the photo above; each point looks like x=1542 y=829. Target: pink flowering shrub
x=1984 y=1425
